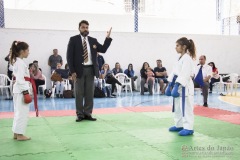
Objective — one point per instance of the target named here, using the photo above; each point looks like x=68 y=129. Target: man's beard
x=84 y=33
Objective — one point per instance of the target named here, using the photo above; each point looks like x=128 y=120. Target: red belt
x=32 y=81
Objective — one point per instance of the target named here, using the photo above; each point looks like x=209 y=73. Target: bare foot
x=15 y=136
x=21 y=137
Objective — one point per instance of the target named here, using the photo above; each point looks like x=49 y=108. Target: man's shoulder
x=51 y=56
x=74 y=37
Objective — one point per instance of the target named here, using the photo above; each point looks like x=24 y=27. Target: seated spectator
x=130 y=73
x=161 y=76
x=36 y=74
x=117 y=69
x=215 y=76
x=144 y=77
x=69 y=76
x=107 y=74
x=206 y=75
x=36 y=63
x=60 y=84
x=100 y=61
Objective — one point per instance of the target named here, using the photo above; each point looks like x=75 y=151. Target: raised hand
x=109 y=32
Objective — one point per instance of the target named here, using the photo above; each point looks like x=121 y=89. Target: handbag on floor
x=98 y=93
x=68 y=94
x=47 y=93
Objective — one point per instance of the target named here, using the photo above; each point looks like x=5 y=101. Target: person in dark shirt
x=143 y=73
x=9 y=70
x=160 y=76
x=130 y=73
x=54 y=59
x=10 y=67
x=101 y=61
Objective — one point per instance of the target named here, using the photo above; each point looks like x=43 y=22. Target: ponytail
x=192 y=49
x=16 y=48
x=190 y=46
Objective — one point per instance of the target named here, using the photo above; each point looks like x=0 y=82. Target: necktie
x=85 y=55
x=199 y=77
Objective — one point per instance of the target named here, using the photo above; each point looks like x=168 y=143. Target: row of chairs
x=231 y=85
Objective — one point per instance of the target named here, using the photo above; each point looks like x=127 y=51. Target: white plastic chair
x=232 y=84
x=4 y=84
x=44 y=86
x=67 y=86
x=125 y=81
x=198 y=95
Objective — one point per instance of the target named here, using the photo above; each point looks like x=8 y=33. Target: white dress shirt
x=89 y=62
x=206 y=70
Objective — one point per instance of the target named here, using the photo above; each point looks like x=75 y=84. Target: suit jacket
x=75 y=54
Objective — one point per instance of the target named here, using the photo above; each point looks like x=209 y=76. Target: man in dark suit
x=83 y=64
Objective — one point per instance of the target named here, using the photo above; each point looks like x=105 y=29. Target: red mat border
x=222 y=115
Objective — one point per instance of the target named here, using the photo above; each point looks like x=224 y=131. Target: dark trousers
x=133 y=79
x=113 y=81
x=213 y=80
x=84 y=91
x=39 y=82
x=150 y=85
x=9 y=73
x=204 y=90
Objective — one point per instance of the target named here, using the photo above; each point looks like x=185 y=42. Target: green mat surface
x=128 y=136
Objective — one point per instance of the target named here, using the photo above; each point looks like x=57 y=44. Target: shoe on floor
x=79 y=119
x=90 y=118
x=205 y=105
x=185 y=132
x=175 y=129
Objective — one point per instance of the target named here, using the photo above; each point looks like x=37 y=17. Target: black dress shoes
x=79 y=119
x=205 y=105
x=90 y=118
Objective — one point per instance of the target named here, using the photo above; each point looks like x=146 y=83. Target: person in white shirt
x=181 y=88
x=21 y=90
x=206 y=72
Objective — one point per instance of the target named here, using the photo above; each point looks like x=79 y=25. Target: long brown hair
x=190 y=46
x=17 y=47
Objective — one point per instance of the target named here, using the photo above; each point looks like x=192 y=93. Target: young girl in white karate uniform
x=183 y=71
x=21 y=90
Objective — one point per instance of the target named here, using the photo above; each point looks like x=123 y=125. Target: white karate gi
x=184 y=69
x=21 y=109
